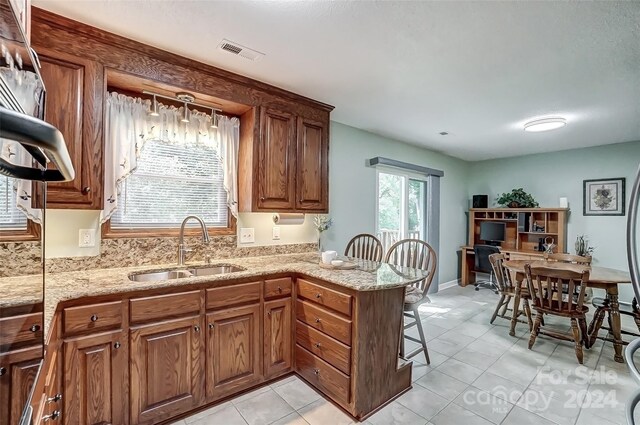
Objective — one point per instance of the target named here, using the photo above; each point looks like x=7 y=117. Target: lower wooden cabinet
x=277 y=337
x=96 y=379
x=18 y=370
x=233 y=350
x=167 y=369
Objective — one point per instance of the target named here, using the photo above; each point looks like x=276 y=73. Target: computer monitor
x=492 y=232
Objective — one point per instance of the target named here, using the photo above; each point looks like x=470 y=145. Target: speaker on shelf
x=480 y=201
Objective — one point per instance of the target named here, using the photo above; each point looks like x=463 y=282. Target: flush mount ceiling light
x=545 y=124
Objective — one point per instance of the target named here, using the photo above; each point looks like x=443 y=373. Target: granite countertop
x=369 y=276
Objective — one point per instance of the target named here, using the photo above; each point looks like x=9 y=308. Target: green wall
x=560 y=174
x=352 y=194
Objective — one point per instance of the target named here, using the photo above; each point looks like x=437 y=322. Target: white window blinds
x=171 y=182
x=11 y=218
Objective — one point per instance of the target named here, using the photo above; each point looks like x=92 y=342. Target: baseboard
x=448 y=285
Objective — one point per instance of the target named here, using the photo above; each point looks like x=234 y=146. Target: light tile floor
x=478 y=375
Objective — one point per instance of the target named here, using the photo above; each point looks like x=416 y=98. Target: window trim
x=31 y=233
x=109 y=232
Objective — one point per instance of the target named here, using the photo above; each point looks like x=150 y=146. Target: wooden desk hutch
x=524 y=228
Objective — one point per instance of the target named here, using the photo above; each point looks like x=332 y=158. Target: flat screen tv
x=492 y=232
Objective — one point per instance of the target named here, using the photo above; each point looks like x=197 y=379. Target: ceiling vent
x=240 y=50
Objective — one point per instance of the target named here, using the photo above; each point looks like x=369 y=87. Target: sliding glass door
x=401 y=207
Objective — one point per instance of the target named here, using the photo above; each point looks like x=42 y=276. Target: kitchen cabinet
x=18 y=370
x=233 y=349
x=284 y=161
x=312 y=166
x=74 y=104
x=167 y=369
x=277 y=337
x=95 y=379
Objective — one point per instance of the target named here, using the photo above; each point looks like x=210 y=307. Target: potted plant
x=517 y=198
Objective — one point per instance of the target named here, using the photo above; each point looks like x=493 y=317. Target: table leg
x=616 y=327
x=514 y=316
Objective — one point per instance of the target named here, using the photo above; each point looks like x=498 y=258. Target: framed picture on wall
x=604 y=196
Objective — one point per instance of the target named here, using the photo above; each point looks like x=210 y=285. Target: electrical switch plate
x=86 y=238
x=276 y=233
x=247 y=235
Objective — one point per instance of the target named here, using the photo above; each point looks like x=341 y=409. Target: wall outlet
x=276 y=233
x=247 y=235
x=86 y=238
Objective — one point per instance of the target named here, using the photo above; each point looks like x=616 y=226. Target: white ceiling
x=409 y=70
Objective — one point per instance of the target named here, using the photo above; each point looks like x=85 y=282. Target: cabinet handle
x=34 y=328
x=196 y=328
x=318 y=345
x=55 y=398
x=3 y=371
x=318 y=320
x=316 y=371
x=52 y=417
x=318 y=295
x=262 y=198
x=86 y=190
x=279 y=289
x=117 y=345
x=94 y=317
x=269 y=313
x=211 y=325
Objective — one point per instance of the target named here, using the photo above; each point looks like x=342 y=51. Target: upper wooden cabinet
x=284 y=162
x=74 y=104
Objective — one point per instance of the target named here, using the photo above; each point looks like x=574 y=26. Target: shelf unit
x=524 y=226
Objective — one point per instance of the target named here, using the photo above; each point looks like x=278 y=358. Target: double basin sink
x=171 y=274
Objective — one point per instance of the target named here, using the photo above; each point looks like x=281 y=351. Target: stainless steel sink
x=208 y=270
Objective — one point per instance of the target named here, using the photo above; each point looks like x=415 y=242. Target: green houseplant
x=517 y=198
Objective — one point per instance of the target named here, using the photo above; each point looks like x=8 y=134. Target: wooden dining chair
x=508 y=291
x=603 y=309
x=365 y=247
x=419 y=255
x=546 y=287
x=568 y=258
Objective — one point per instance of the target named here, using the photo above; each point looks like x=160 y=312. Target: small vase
x=320 y=242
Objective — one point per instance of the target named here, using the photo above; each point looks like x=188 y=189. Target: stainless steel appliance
x=634 y=268
x=32 y=153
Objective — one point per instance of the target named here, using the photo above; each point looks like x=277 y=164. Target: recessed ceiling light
x=545 y=124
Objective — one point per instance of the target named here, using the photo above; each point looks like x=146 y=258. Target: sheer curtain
x=128 y=125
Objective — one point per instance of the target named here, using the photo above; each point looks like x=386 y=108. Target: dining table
x=599 y=277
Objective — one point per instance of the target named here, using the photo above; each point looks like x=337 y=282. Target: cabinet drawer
x=165 y=306
x=24 y=330
x=226 y=296
x=324 y=320
x=277 y=287
x=92 y=317
x=322 y=375
x=324 y=296
x=325 y=347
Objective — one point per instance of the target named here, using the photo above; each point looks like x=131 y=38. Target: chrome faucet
x=182 y=249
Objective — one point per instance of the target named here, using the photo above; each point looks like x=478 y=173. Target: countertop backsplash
x=20 y=258
x=129 y=252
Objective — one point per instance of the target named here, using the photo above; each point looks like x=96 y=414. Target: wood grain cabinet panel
x=18 y=370
x=312 y=166
x=167 y=369
x=324 y=320
x=277 y=337
x=324 y=296
x=233 y=350
x=276 y=160
x=95 y=379
x=74 y=105
x=323 y=376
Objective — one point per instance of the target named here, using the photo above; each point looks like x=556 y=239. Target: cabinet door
x=233 y=350
x=167 y=369
x=18 y=370
x=276 y=160
x=95 y=379
x=277 y=337
x=312 y=182
x=73 y=104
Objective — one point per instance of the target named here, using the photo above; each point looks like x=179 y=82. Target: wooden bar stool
x=418 y=255
x=365 y=247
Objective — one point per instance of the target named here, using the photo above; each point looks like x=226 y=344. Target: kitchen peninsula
x=147 y=352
